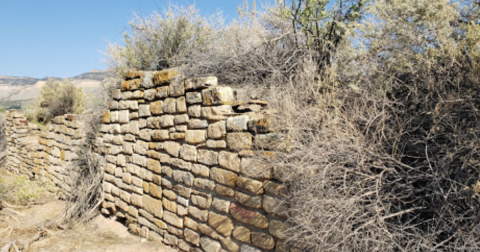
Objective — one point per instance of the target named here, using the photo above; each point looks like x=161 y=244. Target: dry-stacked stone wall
x=47 y=154
x=184 y=165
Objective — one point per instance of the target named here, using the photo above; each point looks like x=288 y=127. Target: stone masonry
x=183 y=165
x=44 y=155
x=184 y=161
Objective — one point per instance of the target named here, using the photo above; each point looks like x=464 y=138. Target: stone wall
x=44 y=155
x=184 y=164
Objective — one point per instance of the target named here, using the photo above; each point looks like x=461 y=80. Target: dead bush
x=86 y=192
x=56 y=98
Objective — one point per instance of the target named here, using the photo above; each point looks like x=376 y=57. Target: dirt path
x=99 y=235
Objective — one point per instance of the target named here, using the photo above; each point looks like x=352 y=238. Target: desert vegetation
x=56 y=98
x=379 y=98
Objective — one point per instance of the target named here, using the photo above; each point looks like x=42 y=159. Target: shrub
x=56 y=98
x=163 y=40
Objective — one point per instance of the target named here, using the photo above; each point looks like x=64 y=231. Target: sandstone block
x=263 y=240
x=229 y=161
x=221 y=205
x=248 y=217
x=172 y=148
x=195 y=111
x=194 y=97
x=156 y=108
x=242 y=234
x=210 y=245
x=229 y=244
x=192 y=237
x=204 y=184
x=172 y=219
x=160 y=135
x=222 y=224
x=146 y=134
x=248 y=200
x=144 y=110
x=201 y=170
x=224 y=191
x=164 y=77
x=197 y=124
x=217 y=130
x=197 y=213
x=246 y=248
x=183 y=177
x=167 y=121
x=169 y=205
x=217 y=96
x=274 y=206
x=256 y=168
x=188 y=152
x=181 y=105
x=176 y=88
x=237 y=123
x=224 y=177
x=200 y=83
x=250 y=185
x=239 y=141
x=195 y=136
x=152 y=206
x=217 y=113
x=207 y=157
x=202 y=201
x=278 y=229
x=220 y=144
x=149 y=94
x=181 y=119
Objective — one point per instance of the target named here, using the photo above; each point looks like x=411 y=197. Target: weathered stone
x=237 y=123
x=204 y=184
x=250 y=185
x=278 y=229
x=154 y=165
x=154 y=123
x=181 y=105
x=217 y=96
x=239 y=141
x=162 y=92
x=201 y=201
x=229 y=160
x=197 y=124
x=220 y=144
x=165 y=77
x=114 y=117
x=256 y=168
x=275 y=189
x=195 y=136
x=194 y=97
x=137 y=94
x=274 y=206
x=200 y=83
x=160 y=135
x=242 y=234
x=195 y=212
x=183 y=177
x=146 y=134
x=172 y=219
x=222 y=224
x=188 y=152
x=246 y=248
x=192 y=237
x=190 y=223
x=155 y=191
x=170 y=239
x=172 y=148
x=224 y=191
x=248 y=217
x=248 y=200
x=167 y=121
x=152 y=206
x=181 y=119
x=182 y=191
x=149 y=94
x=207 y=157
x=170 y=106
x=187 y=166
x=229 y=244
x=144 y=110
x=217 y=130
x=176 y=88
x=217 y=113
x=210 y=245
x=263 y=240
x=134 y=129
x=156 y=108
x=201 y=170
x=223 y=176
x=195 y=111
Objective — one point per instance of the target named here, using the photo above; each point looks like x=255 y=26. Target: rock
x=210 y=245
x=248 y=217
x=222 y=224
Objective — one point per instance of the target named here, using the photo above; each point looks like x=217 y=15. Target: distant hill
x=16 y=90
x=17 y=81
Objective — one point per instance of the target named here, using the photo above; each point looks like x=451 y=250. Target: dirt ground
x=33 y=226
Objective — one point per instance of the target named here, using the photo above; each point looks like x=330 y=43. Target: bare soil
x=34 y=226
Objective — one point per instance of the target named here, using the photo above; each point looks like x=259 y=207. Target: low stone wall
x=44 y=155
x=184 y=165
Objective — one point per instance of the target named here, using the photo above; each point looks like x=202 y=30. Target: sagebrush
x=380 y=100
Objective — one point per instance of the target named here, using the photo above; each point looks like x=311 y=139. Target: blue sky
x=64 y=38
